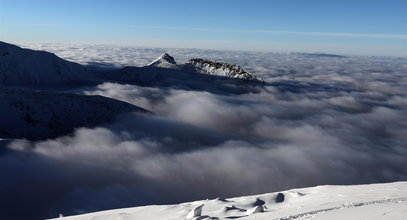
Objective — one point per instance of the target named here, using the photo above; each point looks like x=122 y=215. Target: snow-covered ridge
x=19 y=66
x=222 y=69
x=375 y=201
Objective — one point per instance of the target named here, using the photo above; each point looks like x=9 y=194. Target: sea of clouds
x=319 y=120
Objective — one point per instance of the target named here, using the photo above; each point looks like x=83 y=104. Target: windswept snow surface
x=318 y=119
x=367 y=202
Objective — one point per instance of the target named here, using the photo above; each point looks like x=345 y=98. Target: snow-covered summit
x=221 y=69
x=163 y=61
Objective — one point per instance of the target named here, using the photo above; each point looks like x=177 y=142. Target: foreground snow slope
x=375 y=201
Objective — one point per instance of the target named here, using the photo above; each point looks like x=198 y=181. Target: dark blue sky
x=351 y=27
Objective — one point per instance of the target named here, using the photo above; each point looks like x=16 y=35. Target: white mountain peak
x=164 y=59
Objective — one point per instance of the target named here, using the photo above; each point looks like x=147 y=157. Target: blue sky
x=349 y=27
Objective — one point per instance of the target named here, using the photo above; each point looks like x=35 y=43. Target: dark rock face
x=280 y=197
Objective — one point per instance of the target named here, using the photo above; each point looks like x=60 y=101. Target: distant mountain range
x=34 y=103
x=19 y=66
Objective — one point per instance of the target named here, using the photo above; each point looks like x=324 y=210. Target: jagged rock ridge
x=222 y=69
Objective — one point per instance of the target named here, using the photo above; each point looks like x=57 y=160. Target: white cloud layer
x=321 y=120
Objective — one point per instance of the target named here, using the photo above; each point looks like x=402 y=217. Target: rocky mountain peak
x=222 y=69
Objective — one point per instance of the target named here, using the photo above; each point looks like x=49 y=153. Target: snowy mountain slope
x=376 y=201
x=38 y=115
x=19 y=66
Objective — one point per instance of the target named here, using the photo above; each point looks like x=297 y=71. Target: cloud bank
x=321 y=120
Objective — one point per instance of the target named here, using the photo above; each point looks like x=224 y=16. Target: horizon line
x=265 y=31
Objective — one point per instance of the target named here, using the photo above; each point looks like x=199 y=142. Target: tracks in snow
x=343 y=206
